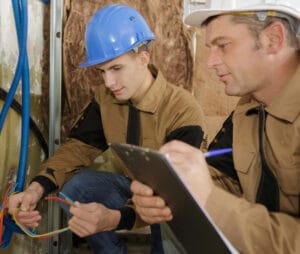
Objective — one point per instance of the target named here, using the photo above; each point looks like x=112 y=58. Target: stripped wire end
x=8 y=191
x=31 y=232
x=67 y=198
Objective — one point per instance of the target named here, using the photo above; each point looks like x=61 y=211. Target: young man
x=254 y=50
x=136 y=105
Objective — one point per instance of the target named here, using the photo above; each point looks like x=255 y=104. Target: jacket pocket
x=289 y=181
x=244 y=160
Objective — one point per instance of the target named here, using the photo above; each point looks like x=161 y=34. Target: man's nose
x=109 y=80
x=213 y=59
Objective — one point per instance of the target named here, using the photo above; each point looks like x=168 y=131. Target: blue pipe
x=21 y=17
x=22 y=48
x=25 y=102
x=21 y=20
x=25 y=127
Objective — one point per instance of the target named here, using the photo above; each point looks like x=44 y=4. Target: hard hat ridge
x=217 y=7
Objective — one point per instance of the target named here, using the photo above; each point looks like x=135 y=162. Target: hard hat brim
x=197 y=17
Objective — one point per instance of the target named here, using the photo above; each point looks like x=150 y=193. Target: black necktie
x=268 y=190
x=133 y=127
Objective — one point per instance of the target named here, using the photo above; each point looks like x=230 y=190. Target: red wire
x=2 y=210
x=5 y=202
x=59 y=199
x=66 y=201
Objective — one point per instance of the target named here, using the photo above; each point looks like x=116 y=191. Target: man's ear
x=144 y=57
x=276 y=37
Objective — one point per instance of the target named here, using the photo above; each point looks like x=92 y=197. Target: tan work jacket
x=248 y=225
x=166 y=112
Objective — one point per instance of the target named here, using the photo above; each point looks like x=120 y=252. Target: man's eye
x=224 y=45
x=100 y=70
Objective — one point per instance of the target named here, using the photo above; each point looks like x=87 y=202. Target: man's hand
x=27 y=201
x=191 y=167
x=92 y=218
x=152 y=209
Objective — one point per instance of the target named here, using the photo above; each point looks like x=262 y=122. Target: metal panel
x=56 y=17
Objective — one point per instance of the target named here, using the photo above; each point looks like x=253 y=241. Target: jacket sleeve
x=192 y=135
x=221 y=167
x=85 y=143
x=187 y=122
x=250 y=227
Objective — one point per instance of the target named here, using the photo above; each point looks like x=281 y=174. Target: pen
x=217 y=152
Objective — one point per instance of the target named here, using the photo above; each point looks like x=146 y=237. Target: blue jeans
x=111 y=190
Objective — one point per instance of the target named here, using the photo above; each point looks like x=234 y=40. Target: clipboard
x=190 y=224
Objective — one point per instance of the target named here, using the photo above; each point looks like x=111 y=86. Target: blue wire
x=21 y=21
x=21 y=17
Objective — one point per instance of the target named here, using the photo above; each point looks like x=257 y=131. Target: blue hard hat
x=113 y=31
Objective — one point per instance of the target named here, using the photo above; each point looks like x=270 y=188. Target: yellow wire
x=29 y=233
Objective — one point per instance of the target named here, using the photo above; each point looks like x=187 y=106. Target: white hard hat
x=217 y=7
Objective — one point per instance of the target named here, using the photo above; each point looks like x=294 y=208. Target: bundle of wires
x=23 y=229
x=32 y=233
x=8 y=191
x=20 y=12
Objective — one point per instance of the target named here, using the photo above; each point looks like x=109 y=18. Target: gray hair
x=257 y=23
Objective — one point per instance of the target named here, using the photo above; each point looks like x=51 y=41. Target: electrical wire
x=20 y=11
x=7 y=193
x=31 y=233
x=23 y=229
x=15 y=105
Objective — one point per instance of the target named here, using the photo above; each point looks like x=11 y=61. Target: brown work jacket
x=250 y=226
x=167 y=112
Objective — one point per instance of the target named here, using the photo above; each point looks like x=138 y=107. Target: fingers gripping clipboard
x=191 y=224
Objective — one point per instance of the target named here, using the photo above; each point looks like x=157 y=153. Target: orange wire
x=65 y=200
x=28 y=232
x=2 y=210
x=59 y=199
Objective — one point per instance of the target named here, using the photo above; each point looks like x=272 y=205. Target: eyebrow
x=216 y=41
x=111 y=67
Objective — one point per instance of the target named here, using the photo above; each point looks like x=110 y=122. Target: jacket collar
x=285 y=105
x=154 y=95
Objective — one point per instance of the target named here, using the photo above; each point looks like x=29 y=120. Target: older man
x=254 y=49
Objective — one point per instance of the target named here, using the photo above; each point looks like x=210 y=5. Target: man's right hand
x=26 y=201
